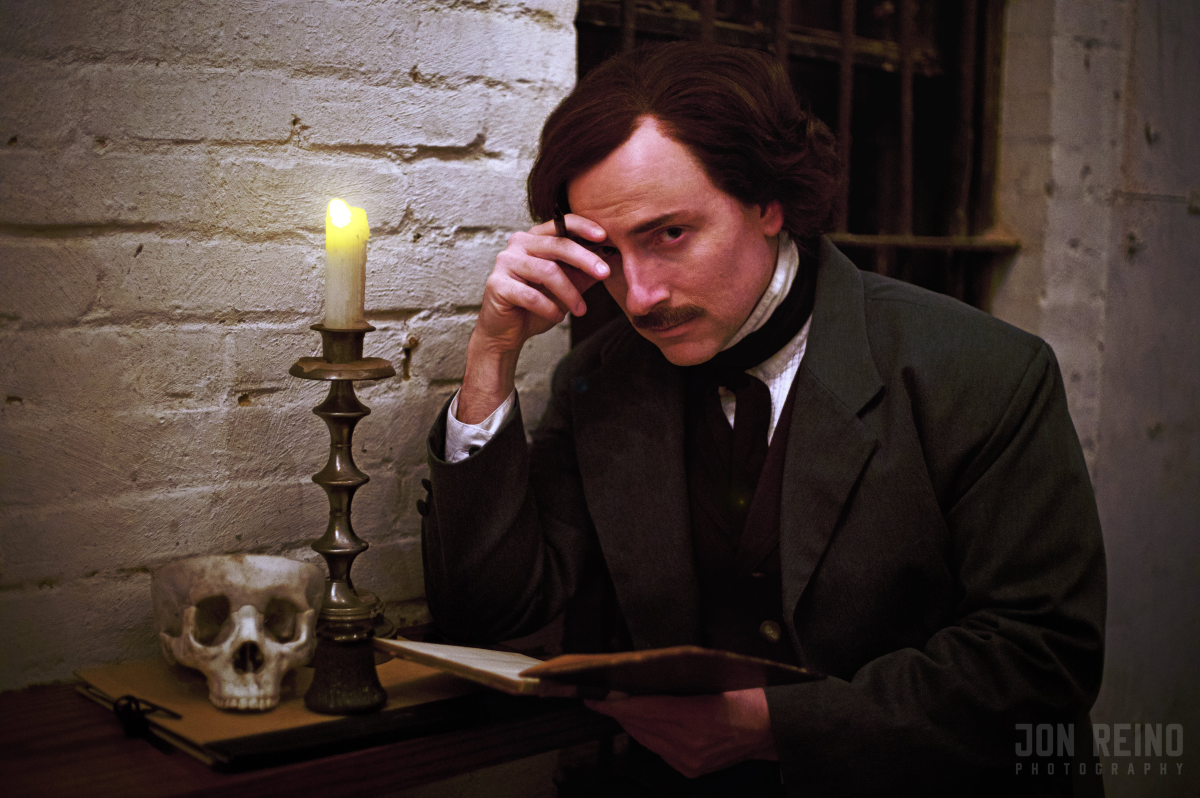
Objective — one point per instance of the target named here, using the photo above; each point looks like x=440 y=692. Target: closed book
x=173 y=706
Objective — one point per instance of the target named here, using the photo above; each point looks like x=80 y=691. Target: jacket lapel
x=629 y=436
x=828 y=444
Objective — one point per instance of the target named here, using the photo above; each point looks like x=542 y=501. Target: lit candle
x=345 y=266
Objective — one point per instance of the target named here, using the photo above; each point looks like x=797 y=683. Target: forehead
x=647 y=176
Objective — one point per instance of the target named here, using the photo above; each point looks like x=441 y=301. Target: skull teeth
x=245 y=702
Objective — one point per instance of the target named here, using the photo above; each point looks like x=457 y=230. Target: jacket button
x=770 y=631
x=422 y=507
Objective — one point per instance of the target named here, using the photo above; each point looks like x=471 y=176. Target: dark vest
x=741 y=586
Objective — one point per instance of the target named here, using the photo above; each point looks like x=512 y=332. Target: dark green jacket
x=940 y=546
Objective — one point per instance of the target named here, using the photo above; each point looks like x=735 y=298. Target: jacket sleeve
x=506 y=539
x=1026 y=642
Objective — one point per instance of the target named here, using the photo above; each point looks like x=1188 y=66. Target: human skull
x=244 y=620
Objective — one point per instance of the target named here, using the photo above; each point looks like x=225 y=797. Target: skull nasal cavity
x=248 y=658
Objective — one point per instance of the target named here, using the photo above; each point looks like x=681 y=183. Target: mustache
x=665 y=317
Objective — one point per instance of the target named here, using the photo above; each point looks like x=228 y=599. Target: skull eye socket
x=211 y=614
x=279 y=619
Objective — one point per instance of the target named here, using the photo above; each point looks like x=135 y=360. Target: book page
x=500 y=670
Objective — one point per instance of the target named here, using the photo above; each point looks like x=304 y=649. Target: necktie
x=746 y=447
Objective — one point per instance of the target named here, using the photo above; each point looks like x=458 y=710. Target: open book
x=680 y=670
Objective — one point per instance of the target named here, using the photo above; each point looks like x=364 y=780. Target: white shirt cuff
x=463 y=440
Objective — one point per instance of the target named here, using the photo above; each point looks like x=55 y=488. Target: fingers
x=647 y=731
x=563 y=250
x=688 y=758
x=577 y=225
x=609 y=698
x=546 y=276
x=518 y=294
x=697 y=734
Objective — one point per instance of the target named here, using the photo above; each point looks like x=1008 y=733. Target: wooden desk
x=55 y=742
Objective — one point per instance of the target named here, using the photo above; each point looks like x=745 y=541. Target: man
x=772 y=454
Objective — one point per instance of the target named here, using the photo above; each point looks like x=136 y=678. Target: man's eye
x=670 y=234
x=608 y=253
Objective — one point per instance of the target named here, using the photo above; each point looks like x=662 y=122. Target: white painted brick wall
x=164 y=169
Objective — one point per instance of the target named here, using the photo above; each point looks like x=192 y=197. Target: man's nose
x=644 y=286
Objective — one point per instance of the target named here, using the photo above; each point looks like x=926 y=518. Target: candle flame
x=339 y=213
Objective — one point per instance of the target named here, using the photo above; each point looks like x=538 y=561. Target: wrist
x=488 y=380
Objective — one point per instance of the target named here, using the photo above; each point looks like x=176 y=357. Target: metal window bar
x=961 y=156
x=628 y=24
x=666 y=20
x=902 y=243
x=783 y=22
x=845 y=106
x=708 y=18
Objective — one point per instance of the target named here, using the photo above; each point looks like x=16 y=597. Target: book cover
x=421 y=700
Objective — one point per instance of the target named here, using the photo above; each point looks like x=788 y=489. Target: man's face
x=689 y=262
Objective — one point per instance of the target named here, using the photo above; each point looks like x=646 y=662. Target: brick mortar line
x=286 y=148
x=266 y=321
x=77 y=59
x=177 y=494
x=131 y=574
x=278 y=320
x=516 y=10
x=307 y=236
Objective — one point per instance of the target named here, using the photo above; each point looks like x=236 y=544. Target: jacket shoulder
x=965 y=379
x=911 y=328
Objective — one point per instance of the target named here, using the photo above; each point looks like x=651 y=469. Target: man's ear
x=771 y=216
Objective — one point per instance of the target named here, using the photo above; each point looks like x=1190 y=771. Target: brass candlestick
x=344 y=677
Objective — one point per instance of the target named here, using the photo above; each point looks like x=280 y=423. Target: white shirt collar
x=787 y=263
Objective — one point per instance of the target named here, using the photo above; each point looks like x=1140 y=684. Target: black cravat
x=739 y=453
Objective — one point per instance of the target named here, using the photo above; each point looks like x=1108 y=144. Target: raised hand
x=539 y=278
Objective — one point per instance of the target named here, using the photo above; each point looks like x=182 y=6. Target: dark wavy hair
x=734 y=110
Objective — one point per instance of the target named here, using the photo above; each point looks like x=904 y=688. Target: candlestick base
x=344 y=678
